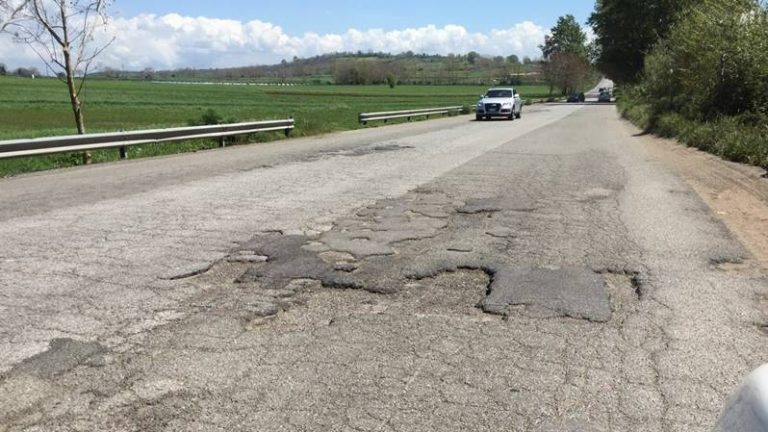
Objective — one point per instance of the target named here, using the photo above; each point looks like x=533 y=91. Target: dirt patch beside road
x=737 y=193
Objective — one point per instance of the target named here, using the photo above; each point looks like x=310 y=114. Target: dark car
x=576 y=97
x=605 y=96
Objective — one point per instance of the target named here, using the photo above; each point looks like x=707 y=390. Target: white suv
x=500 y=102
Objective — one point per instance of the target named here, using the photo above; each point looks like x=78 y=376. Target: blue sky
x=335 y=16
x=170 y=34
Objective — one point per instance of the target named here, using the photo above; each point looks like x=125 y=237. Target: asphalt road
x=544 y=274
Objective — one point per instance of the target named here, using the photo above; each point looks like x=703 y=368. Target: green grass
x=741 y=139
x=36 y=108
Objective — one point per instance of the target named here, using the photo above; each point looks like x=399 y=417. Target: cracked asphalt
x=545 y=274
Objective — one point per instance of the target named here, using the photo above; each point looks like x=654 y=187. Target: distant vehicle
x=576 y=97
x=500 y=102
x=605 y=96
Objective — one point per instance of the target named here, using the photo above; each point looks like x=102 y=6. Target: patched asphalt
x=553 y=280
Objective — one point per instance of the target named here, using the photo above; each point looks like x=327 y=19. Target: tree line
x=368 y=68
x=452 y=69
x=26 y=72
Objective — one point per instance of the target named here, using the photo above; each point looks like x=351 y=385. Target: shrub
x=391 y=80
x=715 y=62
x=209 y=117
x=707 y=83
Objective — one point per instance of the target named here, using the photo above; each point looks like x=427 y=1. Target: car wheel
x=479 y=118
x=511 y=116
x=519 y=114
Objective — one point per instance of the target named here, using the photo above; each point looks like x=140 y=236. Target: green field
x=35 y=108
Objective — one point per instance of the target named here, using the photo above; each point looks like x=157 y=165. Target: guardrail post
x=123 y=153
x=222 y=142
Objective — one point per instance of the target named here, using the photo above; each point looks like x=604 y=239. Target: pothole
x=624 y=292
x=479 y=206
x=629 y=280
x=577 y=293
x=191 y=274
x=729 y=264
x=763 y=327
x=247 y=257
x=459 y=291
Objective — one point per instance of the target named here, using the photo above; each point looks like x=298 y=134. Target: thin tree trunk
x=74 y=97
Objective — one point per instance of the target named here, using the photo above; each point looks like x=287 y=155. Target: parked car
x=500 y=102
x=605 y=96
x=576 y=97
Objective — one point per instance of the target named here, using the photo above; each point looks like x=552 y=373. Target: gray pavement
x=543 y=274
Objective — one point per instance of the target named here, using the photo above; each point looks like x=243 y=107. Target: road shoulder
x=736 y=193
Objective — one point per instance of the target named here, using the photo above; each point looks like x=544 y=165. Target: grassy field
x=35 y=108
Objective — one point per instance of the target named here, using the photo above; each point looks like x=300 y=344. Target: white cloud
x=175 y=41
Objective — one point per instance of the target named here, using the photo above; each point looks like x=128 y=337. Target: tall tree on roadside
x=63 y=33
x=627 y=30
x=566 y=37
x=566 y=55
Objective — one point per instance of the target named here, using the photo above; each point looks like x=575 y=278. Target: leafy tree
x=566 y=55
x=472 y=57
x=391 y=80
x=566 y=37
x=513 y=59
x=3 y=69
x=566 y=71
x=627 y=30
x=26 y=72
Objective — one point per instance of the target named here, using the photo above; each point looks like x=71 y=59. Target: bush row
x=707 y=82
x=736 y=138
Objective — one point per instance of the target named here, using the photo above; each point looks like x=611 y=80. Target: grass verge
x=741 y=139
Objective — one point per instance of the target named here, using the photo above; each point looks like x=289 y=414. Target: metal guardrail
x=122 y=140
x=366 y=117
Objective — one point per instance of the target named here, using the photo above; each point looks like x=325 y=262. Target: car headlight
x=507 y=104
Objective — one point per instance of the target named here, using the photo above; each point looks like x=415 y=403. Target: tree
x=567 y=37
x=3 y=69
x=566 y=71
x=472 y=57
x=62 y=33
x=566 y=55
x=513 y=59
x=26 y=72
x=391 y=80
x=627 y=30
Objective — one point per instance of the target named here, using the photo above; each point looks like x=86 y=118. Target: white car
x=500 y=102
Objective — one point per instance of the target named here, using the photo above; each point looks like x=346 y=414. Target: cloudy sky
x=203 y=33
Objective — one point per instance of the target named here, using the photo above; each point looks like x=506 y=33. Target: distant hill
x=363 y=68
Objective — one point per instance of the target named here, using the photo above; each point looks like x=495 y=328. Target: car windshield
x=499 y=94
